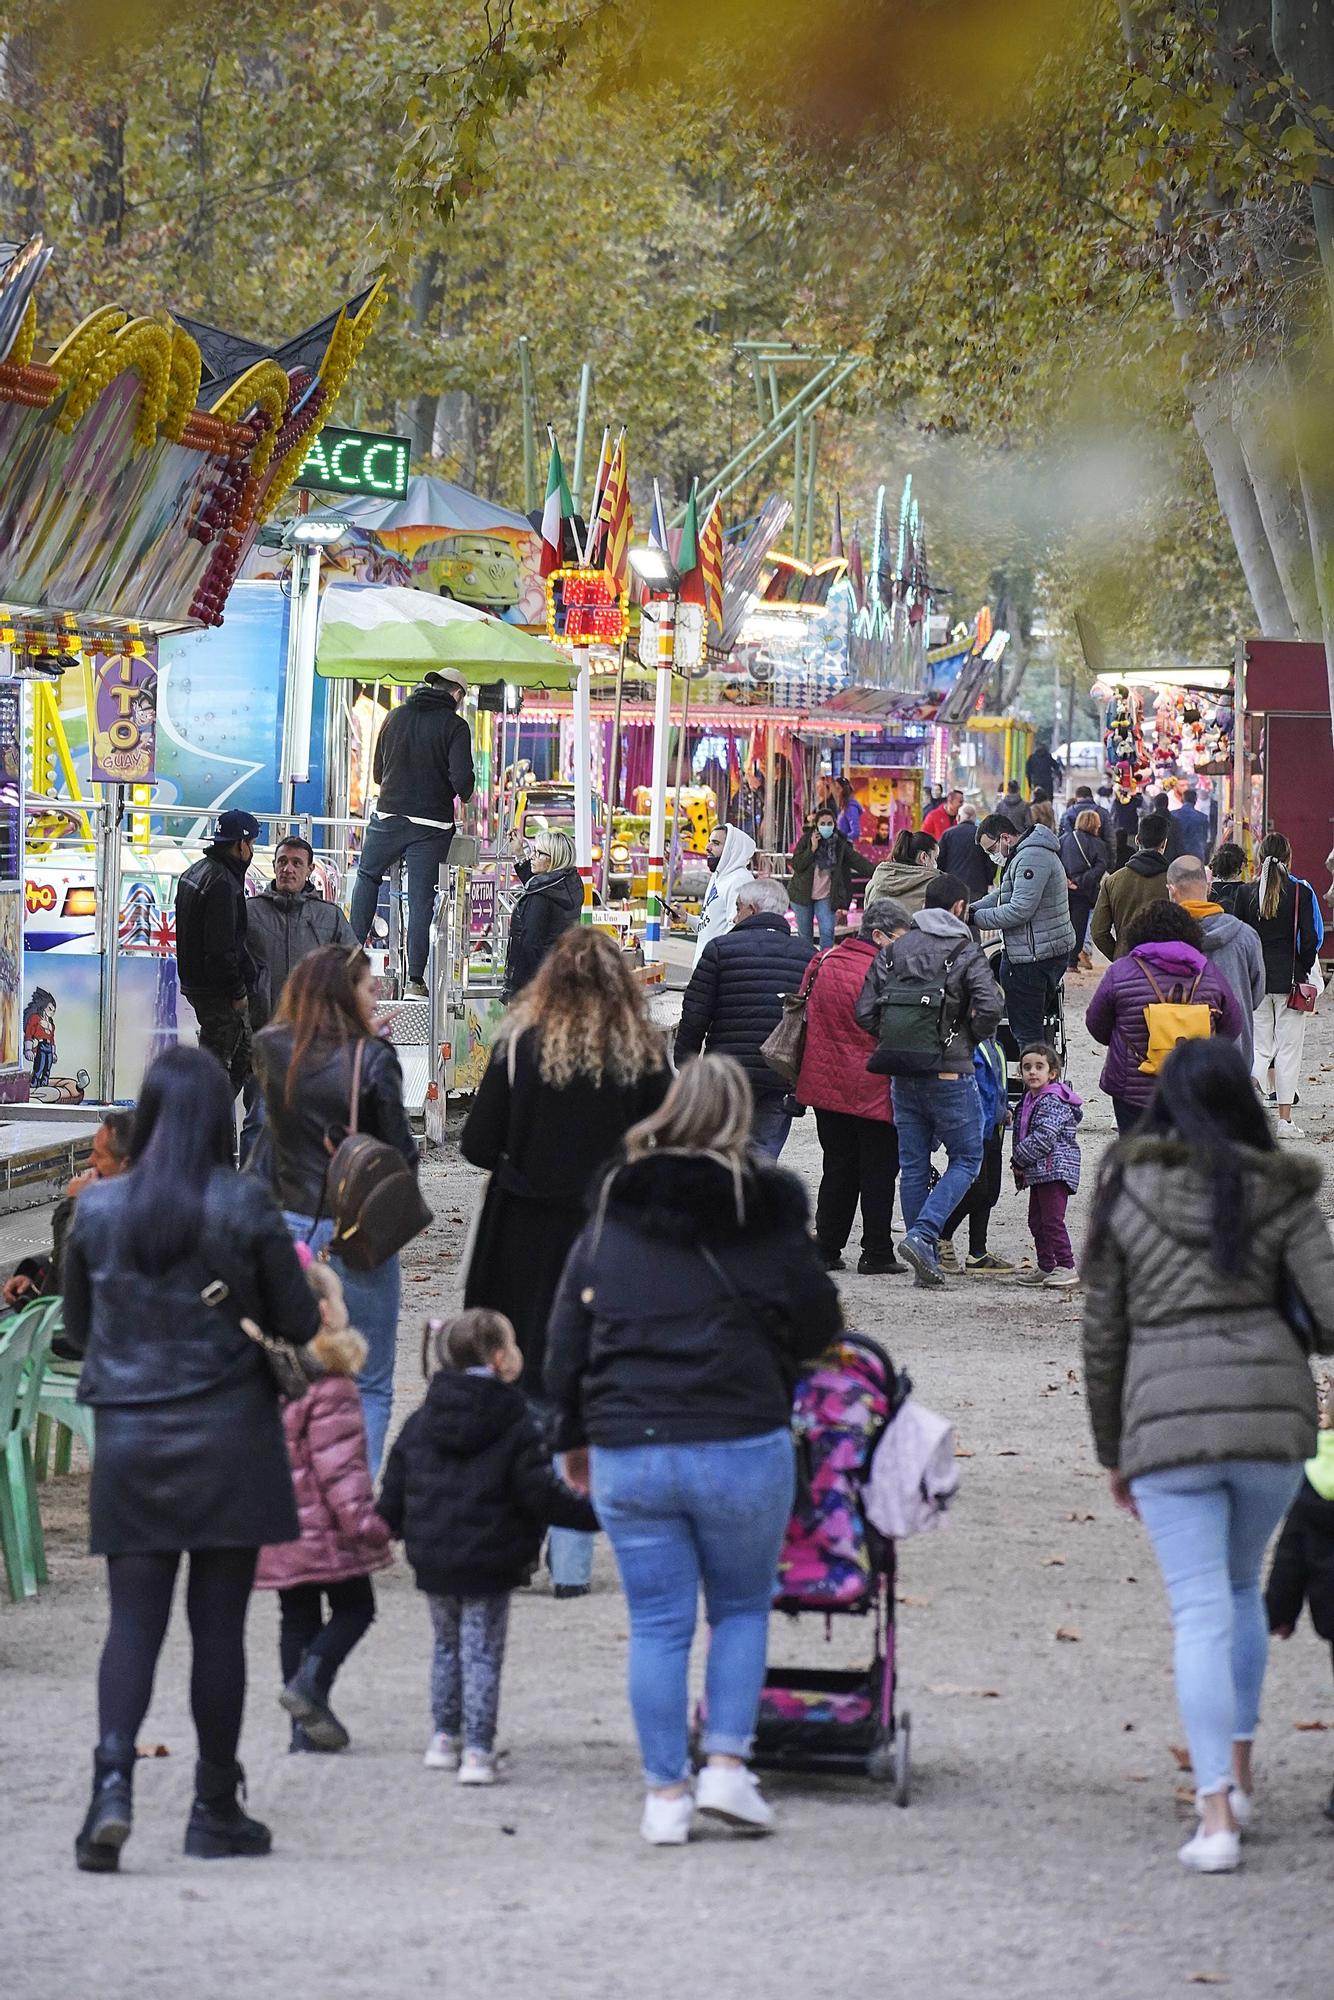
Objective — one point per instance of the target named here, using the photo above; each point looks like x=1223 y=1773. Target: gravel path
x=1037 y=1857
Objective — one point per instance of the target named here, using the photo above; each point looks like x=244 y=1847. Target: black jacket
x=734 y=999
x=152 y=1339
x=321 y=1105
x=282 y=930
x=1086 y=860
x=936 y=939
x=470 y=1488
x=211 y=953
x=676 y=1320
x=549 y=904
x=1225 y=894
x=423 y=758
x=1303 y=1566
x=962 y=854
x=843 y=863
x=1285 y=967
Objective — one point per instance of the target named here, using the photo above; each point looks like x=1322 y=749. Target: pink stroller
x=835 y=1562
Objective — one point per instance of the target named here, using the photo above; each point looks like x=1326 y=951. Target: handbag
x=372 y=1194
x=293 y=1368
x=1303 y=997
x=785 y=1047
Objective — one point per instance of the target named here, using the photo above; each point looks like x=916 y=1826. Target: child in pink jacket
x=343 y=1540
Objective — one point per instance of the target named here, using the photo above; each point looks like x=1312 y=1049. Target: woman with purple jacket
x=1165 y=963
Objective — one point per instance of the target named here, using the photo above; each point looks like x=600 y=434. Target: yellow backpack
x=1172 y=1021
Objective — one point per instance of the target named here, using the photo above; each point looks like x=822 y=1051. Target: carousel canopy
x=388 y=632
x=430 y=503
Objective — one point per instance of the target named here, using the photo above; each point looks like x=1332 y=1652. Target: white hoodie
x=729 y=878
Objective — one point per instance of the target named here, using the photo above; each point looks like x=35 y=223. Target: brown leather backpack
x=371 y=1193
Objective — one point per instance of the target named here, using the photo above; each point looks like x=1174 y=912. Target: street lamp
x=309 y=532
x=654 y=567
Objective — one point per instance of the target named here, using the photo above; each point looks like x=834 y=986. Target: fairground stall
x=138 y=458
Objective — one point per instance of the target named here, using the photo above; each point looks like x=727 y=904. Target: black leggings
x=351 y=1615
x=976 y=1206
x=216 y=1597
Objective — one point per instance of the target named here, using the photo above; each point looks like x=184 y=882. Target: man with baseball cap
x=216 y=971
x=423 y=768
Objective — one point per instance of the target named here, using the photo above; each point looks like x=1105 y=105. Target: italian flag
x=556 y=509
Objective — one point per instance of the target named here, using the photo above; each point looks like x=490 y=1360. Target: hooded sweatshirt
x=423 y=759
x=1233 y=949
x=733 y=871
x=1046 y=1150
x=906 y=881
x=935 y=944
x=1124 y=893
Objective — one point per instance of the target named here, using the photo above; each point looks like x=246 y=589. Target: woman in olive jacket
x=1209 y=1278
x=162 y=1265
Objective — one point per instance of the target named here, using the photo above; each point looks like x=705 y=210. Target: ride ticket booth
x=1287 y=712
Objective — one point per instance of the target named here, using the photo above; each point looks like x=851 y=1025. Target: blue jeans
x=372 y=1307
x=679 y=1516
x=928 y=1113
x=770 y=1125
x=807 y=915
x=569 y=1550
x=1210 y=1525
x=425 y=852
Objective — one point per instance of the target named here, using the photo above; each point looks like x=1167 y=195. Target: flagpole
x=676 y=807
x=662 y=727
x=591 y=518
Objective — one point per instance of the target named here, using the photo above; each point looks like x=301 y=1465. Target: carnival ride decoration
x=120 y=498
x=1123 y=738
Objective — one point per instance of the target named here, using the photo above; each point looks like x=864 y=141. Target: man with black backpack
x=930 y=998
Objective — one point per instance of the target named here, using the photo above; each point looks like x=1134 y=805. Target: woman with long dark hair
x=1282 y=911
x=577 y=1062
x=305 y=1061
x=162 y=1264
x=1208 y=1280
x=686 y=1306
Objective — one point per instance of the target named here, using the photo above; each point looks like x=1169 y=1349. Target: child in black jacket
x=470 y=1489
x=1303 y=1567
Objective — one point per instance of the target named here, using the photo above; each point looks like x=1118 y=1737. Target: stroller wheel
x=903 y=1760
x=880 y=1762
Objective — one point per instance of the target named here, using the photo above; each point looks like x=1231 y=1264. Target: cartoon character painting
x=39 y=1036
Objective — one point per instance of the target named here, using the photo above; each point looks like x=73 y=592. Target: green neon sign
x=367 y=462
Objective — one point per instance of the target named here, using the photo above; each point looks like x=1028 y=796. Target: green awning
x=390 y=632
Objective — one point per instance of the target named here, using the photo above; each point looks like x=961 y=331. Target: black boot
x=217 y=1825
x=106 y=1828
x=306 y=1698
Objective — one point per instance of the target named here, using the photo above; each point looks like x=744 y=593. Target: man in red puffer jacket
x=853 y=1114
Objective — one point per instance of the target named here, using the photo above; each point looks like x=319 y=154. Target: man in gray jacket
x=288 y=921
x=1031 y=910
x=1232 y=945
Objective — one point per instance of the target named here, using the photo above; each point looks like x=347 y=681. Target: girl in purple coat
x=1046 y=1162
x=1165 y=962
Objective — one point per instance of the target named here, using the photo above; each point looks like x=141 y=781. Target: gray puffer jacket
x=281 y=930
x=1030 y=906
x=1185 y=1364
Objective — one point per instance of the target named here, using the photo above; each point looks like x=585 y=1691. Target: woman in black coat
x=305 y=1064
x=824 y=865
x=552 y=897
x=577 y=1063
x=162 y=1265
x=1086 y=860
x=686 y=1307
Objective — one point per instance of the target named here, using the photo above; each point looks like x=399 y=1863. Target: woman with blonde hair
x=1281 y=910
x=577 y=1062
x=686 y=1307
x=549 y=903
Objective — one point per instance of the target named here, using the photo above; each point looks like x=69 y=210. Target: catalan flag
x=616 y=522
x=711 y=564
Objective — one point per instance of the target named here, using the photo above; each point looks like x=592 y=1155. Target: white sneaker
x=666 y=1821
x=1063 y=1279
x=442 y=1752
x=1211 y=1853
x=1285 y=1129
x=477 y=1767
x=1243 y=1806
x=731 y=1793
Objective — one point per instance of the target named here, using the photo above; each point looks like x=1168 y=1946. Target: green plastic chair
x=60 y=1416
x=24 y=1345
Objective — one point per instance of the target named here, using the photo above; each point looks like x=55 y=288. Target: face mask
x=826 y=832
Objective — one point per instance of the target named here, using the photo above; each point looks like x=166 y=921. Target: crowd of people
x=643 y=1279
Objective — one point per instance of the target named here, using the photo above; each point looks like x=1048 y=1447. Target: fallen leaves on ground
x=162 y=1750
x=1180 y=1757
x=1053 y=1562
x=1068 y=1635
x=1006 y=1453
x=1081 y=1517
x=1206 y=1979
x=959 y=1452
x=953 y=1687
x=917 y=1603
x=1313 y=1725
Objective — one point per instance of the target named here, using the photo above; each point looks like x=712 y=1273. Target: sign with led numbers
x=584 y=609
x=366 y=462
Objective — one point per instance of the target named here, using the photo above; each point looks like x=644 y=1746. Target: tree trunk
x=1303 y=34
x=1261 y=420
x=1241 y=511
x=417 y=417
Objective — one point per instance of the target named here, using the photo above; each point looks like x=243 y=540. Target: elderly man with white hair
x=735 y=999
x=1232 y=946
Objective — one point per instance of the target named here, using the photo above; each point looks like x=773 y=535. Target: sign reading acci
x=357 y=462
